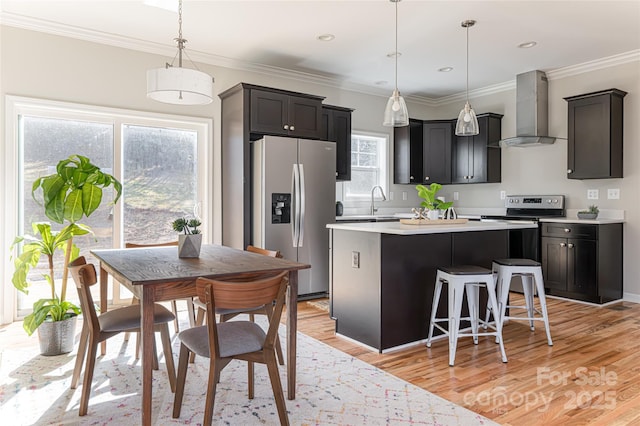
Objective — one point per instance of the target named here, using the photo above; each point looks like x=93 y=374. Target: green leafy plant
x=593 y=209
x=188 y=226
x=74 y=191
x=428 y=194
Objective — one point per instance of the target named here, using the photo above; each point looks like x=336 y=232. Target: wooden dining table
x=157 y=274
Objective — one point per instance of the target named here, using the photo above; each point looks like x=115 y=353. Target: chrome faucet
x=384 y=198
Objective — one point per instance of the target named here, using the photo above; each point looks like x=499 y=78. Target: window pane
x=368 y=162
x=45 y=142
x=160 y=177
x=361 y=182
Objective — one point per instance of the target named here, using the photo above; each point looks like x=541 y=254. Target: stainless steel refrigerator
x=293 y=199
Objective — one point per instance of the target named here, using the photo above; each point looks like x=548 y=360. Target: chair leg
x=434 y=309
x=543 y=304
x=455 y=308
x=88 y=376
x=473 y=296
x=182 y=376
x=174 y=308
x=527 y=287
x=276 y=385
x=210 y=399
x=82 y=350
x=168 y=356
x=250 y=376
x=493 y=302
x=191 y=311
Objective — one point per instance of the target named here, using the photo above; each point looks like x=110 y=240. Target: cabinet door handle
x=563 y=244
x=292 y=128
x=567 y=230
x=286 y=127
x=411 y=177
x=569 y=171
x=570 y=245
x=426 y=178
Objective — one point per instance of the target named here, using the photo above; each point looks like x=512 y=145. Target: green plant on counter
x=593 y=209
x=428 y=194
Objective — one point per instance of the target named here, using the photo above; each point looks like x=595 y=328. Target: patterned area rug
x=333 y=388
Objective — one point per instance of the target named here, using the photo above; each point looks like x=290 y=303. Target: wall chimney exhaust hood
x=532 y=111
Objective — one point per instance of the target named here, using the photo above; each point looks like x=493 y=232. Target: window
x=368 y=166
x=161 y=161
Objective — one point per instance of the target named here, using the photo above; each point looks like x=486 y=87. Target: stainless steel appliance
x=293 y=199
x=525 y=243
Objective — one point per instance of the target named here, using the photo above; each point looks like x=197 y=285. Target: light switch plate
x=613 y=194
x=355 y=259
x=456 y=196
x=593 y=194
x=503 y=195
x=404 y=195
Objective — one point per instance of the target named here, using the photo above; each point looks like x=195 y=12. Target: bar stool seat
x=530 y=272
x=461 y=280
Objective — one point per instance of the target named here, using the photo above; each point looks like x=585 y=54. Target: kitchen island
x=382 y=274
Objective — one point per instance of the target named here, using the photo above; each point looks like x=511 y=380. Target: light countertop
x=398 y=228
x=598 y=221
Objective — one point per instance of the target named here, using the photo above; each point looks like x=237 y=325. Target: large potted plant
x=74 y=191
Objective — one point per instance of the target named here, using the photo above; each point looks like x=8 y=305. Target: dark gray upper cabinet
x=277 y=112
x=407 y=152
x=595 y=135
x=336 y=127
x=436 y=151
x=477 y=159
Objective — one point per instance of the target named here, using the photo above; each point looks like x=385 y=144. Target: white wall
x=44 y=66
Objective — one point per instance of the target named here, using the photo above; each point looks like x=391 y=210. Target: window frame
x=12 y=190
x=383 y=181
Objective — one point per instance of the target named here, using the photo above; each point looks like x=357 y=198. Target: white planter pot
x=189 y=245
x=57 y=337
x=433 y=214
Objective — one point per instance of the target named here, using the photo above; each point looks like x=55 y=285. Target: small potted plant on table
x=190 y=239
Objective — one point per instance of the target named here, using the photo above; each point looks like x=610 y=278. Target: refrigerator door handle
x=295 y=191
x=302 y=206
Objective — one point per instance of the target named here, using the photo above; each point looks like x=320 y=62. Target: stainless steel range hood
x=532 y=111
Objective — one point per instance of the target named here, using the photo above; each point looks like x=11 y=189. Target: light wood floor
x=591 y=374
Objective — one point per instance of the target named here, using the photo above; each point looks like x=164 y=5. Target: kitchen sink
x=368 y=218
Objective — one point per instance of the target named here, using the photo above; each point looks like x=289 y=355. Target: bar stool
x=460 y=279
x=529 y=271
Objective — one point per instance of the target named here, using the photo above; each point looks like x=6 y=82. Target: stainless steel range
x=525 y=243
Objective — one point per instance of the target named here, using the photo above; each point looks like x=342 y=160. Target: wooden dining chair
x=97 y=328
x=227 y=314
x=223 y=342
x=174 y=306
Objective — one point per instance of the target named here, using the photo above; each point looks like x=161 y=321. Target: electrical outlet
x=613 y=194
x=404 y=195
x=456 y=196
x=593 y=194
x=390 y=195
x=503 y=195
x=355 y=259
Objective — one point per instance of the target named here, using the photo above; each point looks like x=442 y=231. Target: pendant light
x=467 y=124
x=178 y=85
x=396 y=114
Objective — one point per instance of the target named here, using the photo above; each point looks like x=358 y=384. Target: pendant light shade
x=467 y=124
x=178 y=85
x=396 y=113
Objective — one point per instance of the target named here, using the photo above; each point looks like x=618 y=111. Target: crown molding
x=20 y=21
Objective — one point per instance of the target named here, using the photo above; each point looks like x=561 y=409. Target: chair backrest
x=238 y=294
x=135 y=245
x=272 y=253
x=84 y=275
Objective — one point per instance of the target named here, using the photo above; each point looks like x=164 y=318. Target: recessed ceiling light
x=527 y=45
x=326 y=37
x=445 y=69
x=394 y=54
x=381 y=82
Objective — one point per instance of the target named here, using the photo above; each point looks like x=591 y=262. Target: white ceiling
x=281 y=36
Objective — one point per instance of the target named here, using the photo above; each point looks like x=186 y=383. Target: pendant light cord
x=467 y=62
x=396 y=52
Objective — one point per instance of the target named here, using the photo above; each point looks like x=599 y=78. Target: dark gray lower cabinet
x=384 y=299
x=582 y=261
